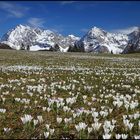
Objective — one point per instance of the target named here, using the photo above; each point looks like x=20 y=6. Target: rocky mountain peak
x=23 y=35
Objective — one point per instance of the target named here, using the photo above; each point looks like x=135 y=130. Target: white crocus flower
x=124 y=117
x=35 y=102
x=77 y=128
x=3 y=99
x=35 y=122
x=118 y=136
x=46 y=134
x=126 y=106
x=44 y=108
x=47 y=126
x=74 y=115
x=137 y=137
x=124 y=136
x=90 y=129
x=110 y=110
x=68 y=120
x=48 y=109
x=120 y=103
x=106 y=130
x=7 y=130
x=130 y=126
x=82 y=125
x=51 y=131
x=26 y=118
x=106 y=136
x=95 y=114
x=96 y=126
x=136 y=115
x=108 y=127
x=96 y=120
x=84 y=97
x=112 y=127
x=2 y=110
x=59 y=120
x=40 y=119
x=126 y=122
x=113 y=121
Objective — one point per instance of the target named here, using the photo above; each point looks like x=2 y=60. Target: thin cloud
x=84 y=30
x=13 y=10
x=85 y=5
x=36 y=22
x=58 y=28
x=66 y=2
x=126 y=30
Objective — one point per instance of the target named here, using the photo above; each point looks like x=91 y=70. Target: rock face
x=134 y=42
x=76 y=48
x=101 y=49
x=98 y=40
x=38 y=39
x=4 y=46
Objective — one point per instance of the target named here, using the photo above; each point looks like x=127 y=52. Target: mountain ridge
x=95 y=40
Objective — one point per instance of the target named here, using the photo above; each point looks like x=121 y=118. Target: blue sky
x=71 y=17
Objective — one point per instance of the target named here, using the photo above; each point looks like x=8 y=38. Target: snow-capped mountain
x=95 y=40
x=21 y=34
x=98 y=40
x=37 y=39
x=134 y=42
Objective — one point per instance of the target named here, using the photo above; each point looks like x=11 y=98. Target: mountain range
x=96 y=40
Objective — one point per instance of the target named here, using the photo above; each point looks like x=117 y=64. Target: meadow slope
x=69 y=95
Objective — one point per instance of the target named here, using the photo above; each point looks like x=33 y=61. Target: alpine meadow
x=69 y=70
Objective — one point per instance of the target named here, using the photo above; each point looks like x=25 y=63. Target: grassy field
x=69 y=95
